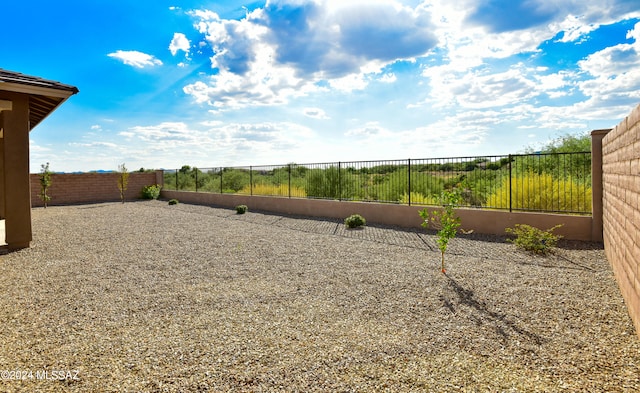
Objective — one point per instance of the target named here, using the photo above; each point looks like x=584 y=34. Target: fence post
x=195 y=170
x=597 y=185
x=409 y=180
x=250 y=180
x=510 y=206
x=176 y=180
x=339 y=183
x=289 y=180
x=221 y=190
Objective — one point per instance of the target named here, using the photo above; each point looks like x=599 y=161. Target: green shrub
x=533 y=239
x=173 y=201
x=329 y=183
x=241 y=209
x=151 y=192
x=355 y=221
x=532 y=191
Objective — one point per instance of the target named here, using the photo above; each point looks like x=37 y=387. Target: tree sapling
x=446 y=221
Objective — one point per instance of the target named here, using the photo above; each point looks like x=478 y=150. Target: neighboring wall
x=480 y=220
x=71 y=188
x=621 y=208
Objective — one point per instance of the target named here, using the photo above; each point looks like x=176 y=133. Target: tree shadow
x=553 y=260
x=504 y=327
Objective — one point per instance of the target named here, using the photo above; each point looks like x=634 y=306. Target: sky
x=231 y=83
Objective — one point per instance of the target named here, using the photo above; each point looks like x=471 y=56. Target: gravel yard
x=147 y=297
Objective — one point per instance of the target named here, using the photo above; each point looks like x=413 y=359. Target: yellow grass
x=274 y=189
x=542 y=192
x=419 y=199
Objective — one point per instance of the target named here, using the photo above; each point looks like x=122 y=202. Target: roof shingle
x=22 y=79
x=44 y=95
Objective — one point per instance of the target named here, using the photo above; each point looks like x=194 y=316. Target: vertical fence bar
x=195 y=170
x=221 y=189
x=250 y=180
x=176 y=180
x=289 y=180
x=510 y=208
x=339 y=182
x=409 y=180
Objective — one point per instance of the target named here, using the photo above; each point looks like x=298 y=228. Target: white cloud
x=616 y=73
x=371 y=129
x=179 y=42
x=388 y=78
x=266 y=84
x=212 y=143
x=176 y=132
x=94 y=144
x=288 y=49
x=35 y=148
x=135 y=58
x=349 y=82
x=555 y=85
x=615 y=60
x=315 y=113
x=438 y=139
x=574 y=28
x=478 y=89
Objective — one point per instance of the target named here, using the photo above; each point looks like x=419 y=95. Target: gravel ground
x=147 y=297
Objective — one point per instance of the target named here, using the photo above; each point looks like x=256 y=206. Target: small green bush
x=355 y=221
x=151 y=192
x=533 y=239
x=241 y=209
x=173 y=201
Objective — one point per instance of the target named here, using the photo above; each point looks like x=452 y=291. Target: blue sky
x=212 y=83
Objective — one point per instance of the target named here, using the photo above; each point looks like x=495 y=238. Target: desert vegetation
x=557 y=178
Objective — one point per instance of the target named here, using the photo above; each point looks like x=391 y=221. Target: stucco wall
x=621 y=208
x=480 y=220
x=89 y=187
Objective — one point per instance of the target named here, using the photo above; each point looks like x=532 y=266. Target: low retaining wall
x=621 y=208
x=75 y=188
x=491 y=222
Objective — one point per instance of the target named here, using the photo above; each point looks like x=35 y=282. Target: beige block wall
x=479 y=220
x=72 y=188
x=621 y=208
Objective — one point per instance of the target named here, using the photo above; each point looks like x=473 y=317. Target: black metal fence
x=558 y=182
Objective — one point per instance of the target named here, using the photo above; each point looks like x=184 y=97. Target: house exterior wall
x=78 y=188
x=16 y=209
x=621 y=208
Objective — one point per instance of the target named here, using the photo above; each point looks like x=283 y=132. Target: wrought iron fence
x=558 y=182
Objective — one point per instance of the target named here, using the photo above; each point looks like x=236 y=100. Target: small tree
x=123 y=180
x=446 y=221
x=45 y=183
